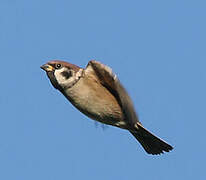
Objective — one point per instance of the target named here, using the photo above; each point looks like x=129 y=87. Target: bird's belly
x=98 y=104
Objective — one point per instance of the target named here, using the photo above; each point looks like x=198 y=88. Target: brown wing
x=110 y=81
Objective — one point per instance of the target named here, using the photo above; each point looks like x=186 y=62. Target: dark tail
x=150 y=143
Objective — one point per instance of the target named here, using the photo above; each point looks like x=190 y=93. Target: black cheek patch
x=66 y=74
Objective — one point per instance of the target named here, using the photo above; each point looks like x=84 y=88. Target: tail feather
x=150 y=143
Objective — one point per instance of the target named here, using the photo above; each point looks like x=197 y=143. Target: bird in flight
x=97 y=92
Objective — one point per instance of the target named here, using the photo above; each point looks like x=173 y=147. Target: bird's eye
x=58 y=66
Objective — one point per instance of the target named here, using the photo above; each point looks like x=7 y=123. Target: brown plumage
x=97 y=92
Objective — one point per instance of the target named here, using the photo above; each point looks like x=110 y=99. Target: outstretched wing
x=110 y=81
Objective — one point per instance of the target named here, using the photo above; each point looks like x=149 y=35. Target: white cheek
x=60 y=79
x=67 y=83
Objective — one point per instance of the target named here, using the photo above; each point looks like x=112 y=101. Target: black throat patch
x=53 y=80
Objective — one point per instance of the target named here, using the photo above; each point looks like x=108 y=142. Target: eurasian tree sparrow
x=97 y=92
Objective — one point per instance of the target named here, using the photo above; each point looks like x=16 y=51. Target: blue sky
x=158 y=50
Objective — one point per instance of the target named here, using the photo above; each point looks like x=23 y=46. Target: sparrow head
x=62 y=74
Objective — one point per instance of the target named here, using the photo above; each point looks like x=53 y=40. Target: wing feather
x=110 y=81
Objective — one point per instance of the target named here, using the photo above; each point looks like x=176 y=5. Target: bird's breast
x=95 y=101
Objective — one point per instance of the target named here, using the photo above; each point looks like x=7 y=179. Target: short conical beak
x=47 y=67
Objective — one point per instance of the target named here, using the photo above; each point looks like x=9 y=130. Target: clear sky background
x=158 y=50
